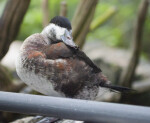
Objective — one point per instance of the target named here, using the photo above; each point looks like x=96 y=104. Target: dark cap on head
x=62 y=22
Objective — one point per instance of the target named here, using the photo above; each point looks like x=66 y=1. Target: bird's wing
x=60 y=50
x=85 y=58
x=67 y=69
x=57 y=50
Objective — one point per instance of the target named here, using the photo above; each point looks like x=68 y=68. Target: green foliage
x=2 y=5
x=117 y=31
x=102 y=18
x=33 y=19
x=32 y=22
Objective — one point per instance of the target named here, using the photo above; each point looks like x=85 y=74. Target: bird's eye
x=68 y=38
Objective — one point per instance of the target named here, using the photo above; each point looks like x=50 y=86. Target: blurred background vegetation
x=116 y=32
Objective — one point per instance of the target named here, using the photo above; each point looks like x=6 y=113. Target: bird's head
x=59 y=29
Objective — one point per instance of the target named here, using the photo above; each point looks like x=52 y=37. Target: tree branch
x=45 y=9
x=128 y=73
x=10 y=23
x=81 y=14
x=82 y=20
x=63 y=9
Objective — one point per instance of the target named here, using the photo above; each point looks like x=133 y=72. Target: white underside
x=36 y=82
x=42 y=85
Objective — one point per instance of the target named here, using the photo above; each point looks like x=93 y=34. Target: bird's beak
x=68 y=40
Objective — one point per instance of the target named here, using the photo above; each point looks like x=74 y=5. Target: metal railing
x=73 y=108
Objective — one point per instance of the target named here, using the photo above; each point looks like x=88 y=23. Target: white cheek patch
x=55 y=32
x=59 y=31
x=52 y=30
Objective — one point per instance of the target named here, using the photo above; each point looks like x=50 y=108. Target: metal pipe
x=73 y=108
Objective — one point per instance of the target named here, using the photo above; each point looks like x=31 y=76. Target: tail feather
x=116 y=88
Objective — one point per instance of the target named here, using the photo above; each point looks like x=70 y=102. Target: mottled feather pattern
x=69 y=76
x=51 y=63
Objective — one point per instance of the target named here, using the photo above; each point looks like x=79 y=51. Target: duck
x=52 y=64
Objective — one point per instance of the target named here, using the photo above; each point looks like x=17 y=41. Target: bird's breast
x=34 y=76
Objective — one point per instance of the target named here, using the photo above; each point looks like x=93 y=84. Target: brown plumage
x=59 y=68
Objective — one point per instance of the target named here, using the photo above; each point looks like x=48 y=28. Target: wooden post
x=82 y=19
x=63 y=9
x=45 y=9
x=10 y=22
x=128 y=73
x=80 y=40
